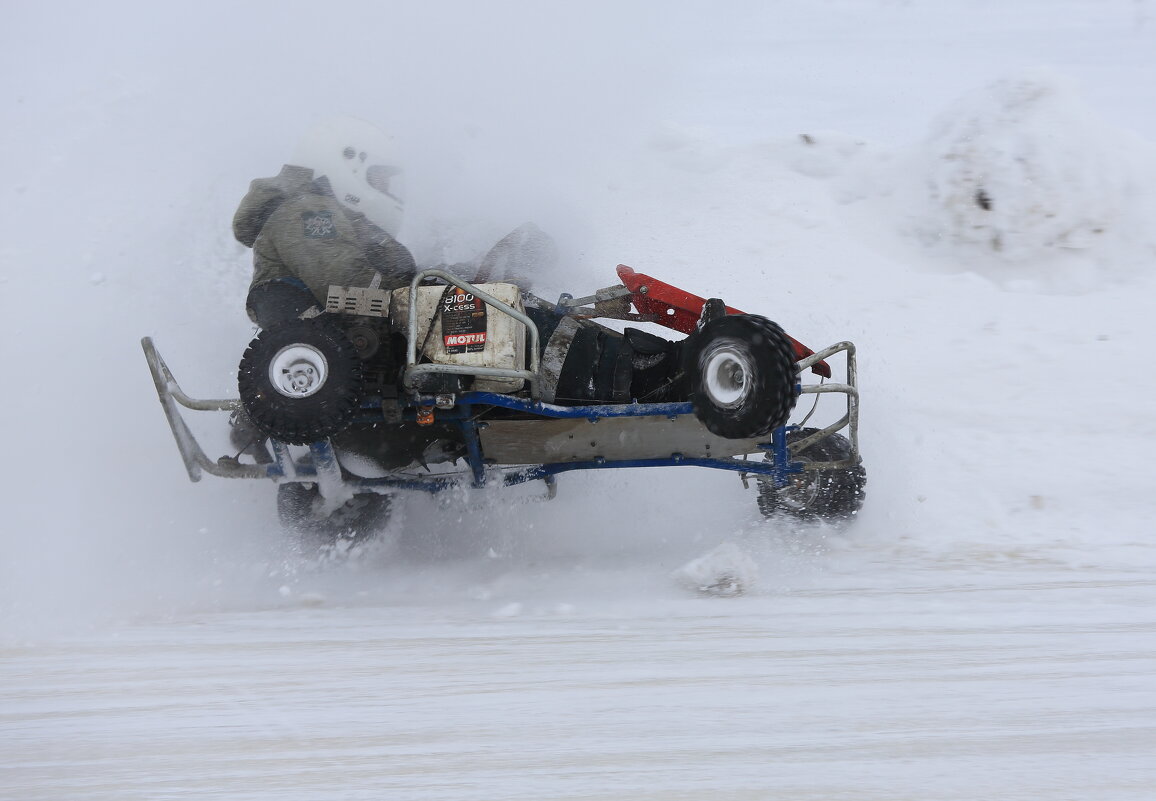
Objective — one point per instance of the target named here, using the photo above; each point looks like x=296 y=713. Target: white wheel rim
x=725 y=376
x=298 y=371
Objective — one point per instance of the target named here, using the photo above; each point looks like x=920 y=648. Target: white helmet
x=358 y=159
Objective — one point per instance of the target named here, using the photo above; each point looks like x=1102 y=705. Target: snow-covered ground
x=966 y=190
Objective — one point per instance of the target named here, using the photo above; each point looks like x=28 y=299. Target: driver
x=329 y=217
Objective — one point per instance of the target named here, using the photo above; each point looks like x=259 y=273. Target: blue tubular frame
x=592 y=412
x=323 y=468
x=737 y=465
x=778 y=468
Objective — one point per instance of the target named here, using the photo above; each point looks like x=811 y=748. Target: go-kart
x=445 y=382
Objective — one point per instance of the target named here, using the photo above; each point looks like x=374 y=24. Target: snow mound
x=1024 y=171
x=725 y=571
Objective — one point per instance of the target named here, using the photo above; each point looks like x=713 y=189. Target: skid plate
x=609 y=438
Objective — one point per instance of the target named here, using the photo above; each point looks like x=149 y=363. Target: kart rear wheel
x=743 y=376
x=831 y=495
x=357 y=520
x=301 y=381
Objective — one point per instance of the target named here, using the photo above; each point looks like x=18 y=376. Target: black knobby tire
x=743 y=378
x=283 y=398
x=357 y=520
x=832 y=495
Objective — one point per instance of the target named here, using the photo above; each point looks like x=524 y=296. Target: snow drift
x=1022 y=177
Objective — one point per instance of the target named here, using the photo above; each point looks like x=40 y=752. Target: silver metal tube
x=850 y=420
x=193 y=456
x=828 y=352
x=822 y=389
x=162 y=376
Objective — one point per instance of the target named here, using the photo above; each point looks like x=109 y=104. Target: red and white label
x=463 y=321
x=465 y=339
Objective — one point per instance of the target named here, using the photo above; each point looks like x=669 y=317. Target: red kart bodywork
x=678 y=309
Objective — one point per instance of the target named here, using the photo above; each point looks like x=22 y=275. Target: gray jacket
x=299 y=230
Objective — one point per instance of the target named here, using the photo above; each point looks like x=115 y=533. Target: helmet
x=358 y=160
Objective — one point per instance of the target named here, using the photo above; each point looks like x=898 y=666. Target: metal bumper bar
x=850 y=420
x=170 y=395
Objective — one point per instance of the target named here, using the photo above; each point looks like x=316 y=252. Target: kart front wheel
x=743 y=376
x=300 y=381
x=357 y=520
x=832 y=495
